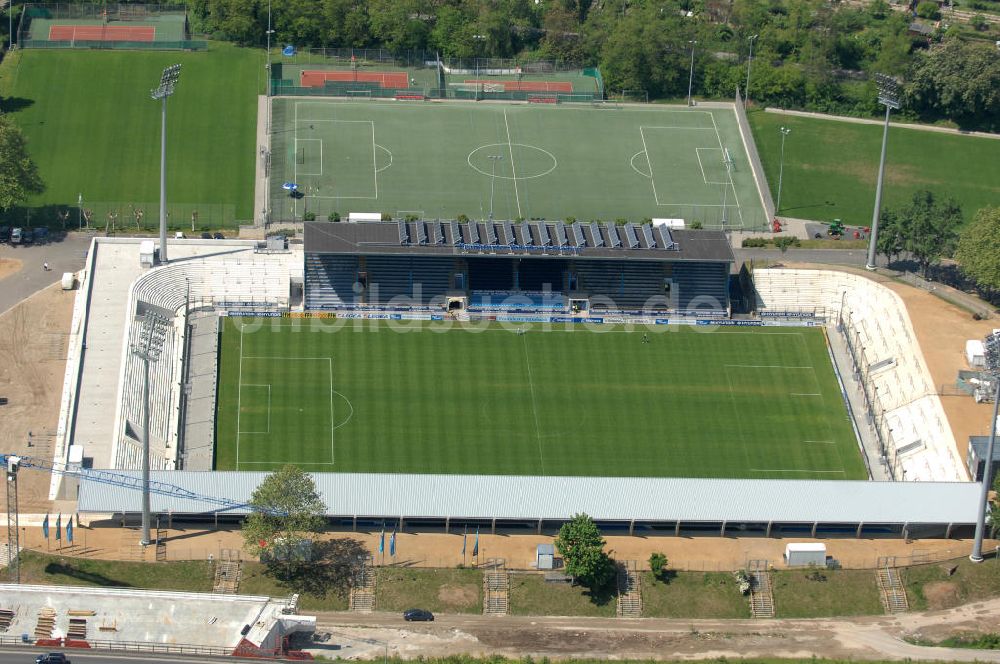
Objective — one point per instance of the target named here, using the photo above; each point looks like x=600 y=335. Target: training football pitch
x=351 y=396
x=442 y=160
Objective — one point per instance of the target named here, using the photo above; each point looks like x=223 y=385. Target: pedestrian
x=45 y=266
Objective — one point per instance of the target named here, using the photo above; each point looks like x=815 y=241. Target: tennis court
x=442 y=160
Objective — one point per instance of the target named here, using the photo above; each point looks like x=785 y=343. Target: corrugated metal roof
x=604 y=498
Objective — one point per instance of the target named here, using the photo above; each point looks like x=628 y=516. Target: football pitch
x=339 y=396
x=442 y=160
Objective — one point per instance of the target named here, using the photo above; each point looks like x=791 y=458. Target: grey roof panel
x=605 y=498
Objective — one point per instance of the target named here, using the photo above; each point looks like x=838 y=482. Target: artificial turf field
x=339 y=397
x=437 y=160
x=831 y=166
x=93 y=130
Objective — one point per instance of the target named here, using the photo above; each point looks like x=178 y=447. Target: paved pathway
x=64 y=255
x=894 y=125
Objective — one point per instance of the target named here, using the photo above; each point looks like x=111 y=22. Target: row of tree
x=808 y=54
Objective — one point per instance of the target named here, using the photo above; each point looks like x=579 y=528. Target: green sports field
x=334 y=396
x=438 y=160
x=93 y=129
x=831 y=166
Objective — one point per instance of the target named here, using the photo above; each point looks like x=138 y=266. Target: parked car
x=52 y=658
x=219 y=236
x=41 y=235
x=419 y=615
x=206 y=236
x=4 y=233
x=27 y=236
x=17 y=236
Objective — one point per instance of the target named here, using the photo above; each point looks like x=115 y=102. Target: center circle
x=526 y=161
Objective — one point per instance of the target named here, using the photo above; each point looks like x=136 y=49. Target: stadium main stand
x=904 y=408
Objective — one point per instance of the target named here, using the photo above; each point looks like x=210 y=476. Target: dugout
x=501 y=267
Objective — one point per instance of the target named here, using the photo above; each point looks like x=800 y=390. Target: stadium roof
x=542 y=239
x=604 y=498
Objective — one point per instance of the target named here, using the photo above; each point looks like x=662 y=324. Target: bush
x=929 y=10
x=462 y=218
x=786 y=241
x=978 y=22
x=658 y=564
x=386 y=216
x=696 y=225
x=333 y=216
x=309 y=216
x=754 y=242
x=570 y=220
x=411 y=217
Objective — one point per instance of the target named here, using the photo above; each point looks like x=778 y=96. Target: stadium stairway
x=496 y=589
x=629 y=591
x=761 y=597
x=890 y=586
x=362 y=597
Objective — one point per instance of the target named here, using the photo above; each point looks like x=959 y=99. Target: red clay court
x=314 y=78
x=102 y=33
x=526 y=86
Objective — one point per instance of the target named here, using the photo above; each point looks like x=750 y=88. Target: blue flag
x=45 y=527
x=475 y=547
x=392 y=543
x=59 y=527
x=464 y=536
x=381 y=540
x=69 y=530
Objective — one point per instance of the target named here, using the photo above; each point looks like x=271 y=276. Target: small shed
x=545 y=556
x=975 y=353
x=801 y=554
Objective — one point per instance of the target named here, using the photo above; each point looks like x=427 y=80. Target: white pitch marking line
x=275 y=357
x=765 y=366
x=821 y=442
x=513 y=170
x=374 y=160
x=793 y=470
x=806 y=394
x=652 y=180
x=239 y=397
x=303 y=140
x=534 y=408
x=332 y=421
x=739 y=208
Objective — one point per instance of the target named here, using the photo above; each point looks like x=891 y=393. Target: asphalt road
x=64 y=255
x=76 y=656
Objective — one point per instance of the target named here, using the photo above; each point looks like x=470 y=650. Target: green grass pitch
x=831 y=166
x=550 y=161
x=338 y=397
x=93 y=129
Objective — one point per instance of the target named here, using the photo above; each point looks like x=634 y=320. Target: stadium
x=527 y=309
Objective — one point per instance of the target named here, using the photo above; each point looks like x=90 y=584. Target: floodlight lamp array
x=152 y=335
x=992 y=345
x=167 y=82
x=888 y=91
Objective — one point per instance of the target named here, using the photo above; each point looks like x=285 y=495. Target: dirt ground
x=33 y=338
x=9 y=266
x=354 y=636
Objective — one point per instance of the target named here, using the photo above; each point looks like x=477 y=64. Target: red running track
x=102 y=33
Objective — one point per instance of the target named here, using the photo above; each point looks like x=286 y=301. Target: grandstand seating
x=330 y=281
x=534 y=274
x=631 y=285
x=907 y=411
x=700 y=286
x=490 y=274
x=244 y=280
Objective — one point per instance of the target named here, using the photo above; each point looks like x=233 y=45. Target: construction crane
x=13 y=462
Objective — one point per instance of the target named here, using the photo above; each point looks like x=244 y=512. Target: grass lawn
x=819 y=593
x=255 y=581
x=441 y=590
x=549 y=162
x=93 y=129
x=332 y=396
x=693 y=595
x=530 y=595
x=40 y=568
x=931 y=587
x=831 y=167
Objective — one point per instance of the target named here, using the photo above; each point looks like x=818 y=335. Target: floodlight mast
x=888 y=95
x=147 y=348
x=168 y=81
x=992 y=345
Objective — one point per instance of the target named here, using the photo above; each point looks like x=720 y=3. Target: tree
x=979 y=249
x=960 y=80
x=786 y=241
x=288 y=510
x=928 y=9
x=658 y=564
x=582 y=548
x=929 y=228
x=18 y=173
x=890 y=236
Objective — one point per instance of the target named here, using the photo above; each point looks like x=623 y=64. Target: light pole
x=147 y=348
x=79 y=211
x=992 y=344
x=785 y=131
x=691 y=74
x=746 y=89
x=166 y=88
x=888 y=94
x=269 y=33
x=494 y=158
